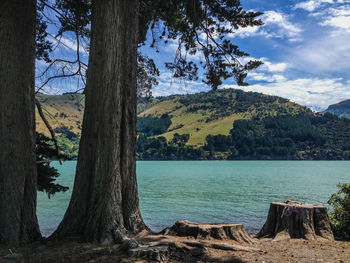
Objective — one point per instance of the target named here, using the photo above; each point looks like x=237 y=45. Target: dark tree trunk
x=18 y=179
x=295 y=220
x=105 y=199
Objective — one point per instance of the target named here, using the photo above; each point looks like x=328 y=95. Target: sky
x=305 y=47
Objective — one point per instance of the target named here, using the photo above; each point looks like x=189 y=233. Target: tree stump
x=204 y=231
x=296 y=220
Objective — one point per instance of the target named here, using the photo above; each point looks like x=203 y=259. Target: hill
x=213 y=113
x=341 y=109
x=65 y=115
x=223 y=124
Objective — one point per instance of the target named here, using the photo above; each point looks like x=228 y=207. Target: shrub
x=340 y=214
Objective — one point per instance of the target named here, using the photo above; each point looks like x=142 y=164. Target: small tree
x=340 y=215
x=45 y=150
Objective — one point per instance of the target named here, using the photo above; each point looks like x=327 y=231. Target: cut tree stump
x=203 y=231
x=296 y=220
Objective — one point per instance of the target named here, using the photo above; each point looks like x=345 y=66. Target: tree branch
x=48 y=126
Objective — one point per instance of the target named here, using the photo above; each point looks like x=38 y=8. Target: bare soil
x=181 y=249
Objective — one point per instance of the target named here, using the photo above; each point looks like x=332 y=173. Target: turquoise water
x=212 y=191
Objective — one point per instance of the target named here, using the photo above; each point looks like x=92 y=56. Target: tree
x=340 y=214
x=47 y=174
x=18 y=182
x=104 y=201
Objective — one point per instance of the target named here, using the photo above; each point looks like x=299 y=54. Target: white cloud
x=169 y=85
x=326 y=54
x=275 y=67
x=339 y=21
x=266 y=77
x=172 y=47
x=277 y=25
x=246 y=32
x=337 y=17
x=69 y=44
x=315 y=93
x=311 y=5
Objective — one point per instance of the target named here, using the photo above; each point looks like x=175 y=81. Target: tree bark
x=206 y=231
x=295 y=220
x=105 y=198
x=18 y=179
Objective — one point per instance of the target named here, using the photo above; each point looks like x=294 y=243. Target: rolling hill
x=61 y=111
x=222 y=124
x=341 y=109
x=213 y=113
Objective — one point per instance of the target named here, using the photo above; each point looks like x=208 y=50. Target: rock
x=129 y=244
x=295 y=220
x=152 y=253
x=204 y=231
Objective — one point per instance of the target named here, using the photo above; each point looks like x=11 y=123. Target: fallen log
x=296 y=220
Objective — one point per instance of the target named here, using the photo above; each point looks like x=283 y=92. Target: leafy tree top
x=198 y=26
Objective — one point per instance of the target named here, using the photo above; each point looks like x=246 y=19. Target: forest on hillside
x=299 y=135
x=280 y=137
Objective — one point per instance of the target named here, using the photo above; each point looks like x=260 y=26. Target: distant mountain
x=222 y=124
x=341 y=109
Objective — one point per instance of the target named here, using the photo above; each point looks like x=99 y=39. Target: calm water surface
x=212 y=191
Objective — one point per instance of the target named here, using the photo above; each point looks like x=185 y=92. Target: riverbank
x=266 y=250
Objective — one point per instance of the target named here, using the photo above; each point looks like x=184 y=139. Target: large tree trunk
x=295 y=220
x=18 y=179
x=105 y=198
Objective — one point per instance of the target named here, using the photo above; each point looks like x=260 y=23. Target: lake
x=212 y=191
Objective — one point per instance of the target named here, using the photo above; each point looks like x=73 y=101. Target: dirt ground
x=264 y=250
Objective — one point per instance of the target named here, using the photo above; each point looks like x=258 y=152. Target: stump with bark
x=295 y=220
x=204 y=231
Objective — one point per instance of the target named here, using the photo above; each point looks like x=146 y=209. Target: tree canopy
x=202 y=27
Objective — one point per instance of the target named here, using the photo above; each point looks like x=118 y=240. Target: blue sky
x=305 y=47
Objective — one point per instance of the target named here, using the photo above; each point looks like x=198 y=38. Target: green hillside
x=61 y=111
x=213 y=113
x=341 y=109
x=223 y=124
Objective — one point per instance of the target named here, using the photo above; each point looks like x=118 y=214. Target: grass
x=61 y=110
x=67 y=110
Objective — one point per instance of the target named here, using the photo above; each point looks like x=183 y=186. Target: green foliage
x=185 y=21
x=180 y=140
x=222 y=103
x=159 y=149
x=69 y=145
x=301 y=136
x=43 y=46
x=76 y=16
x=151 y=126
x=47 y=175
x=340 y=215
x=265 y=127
x=146 y=76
